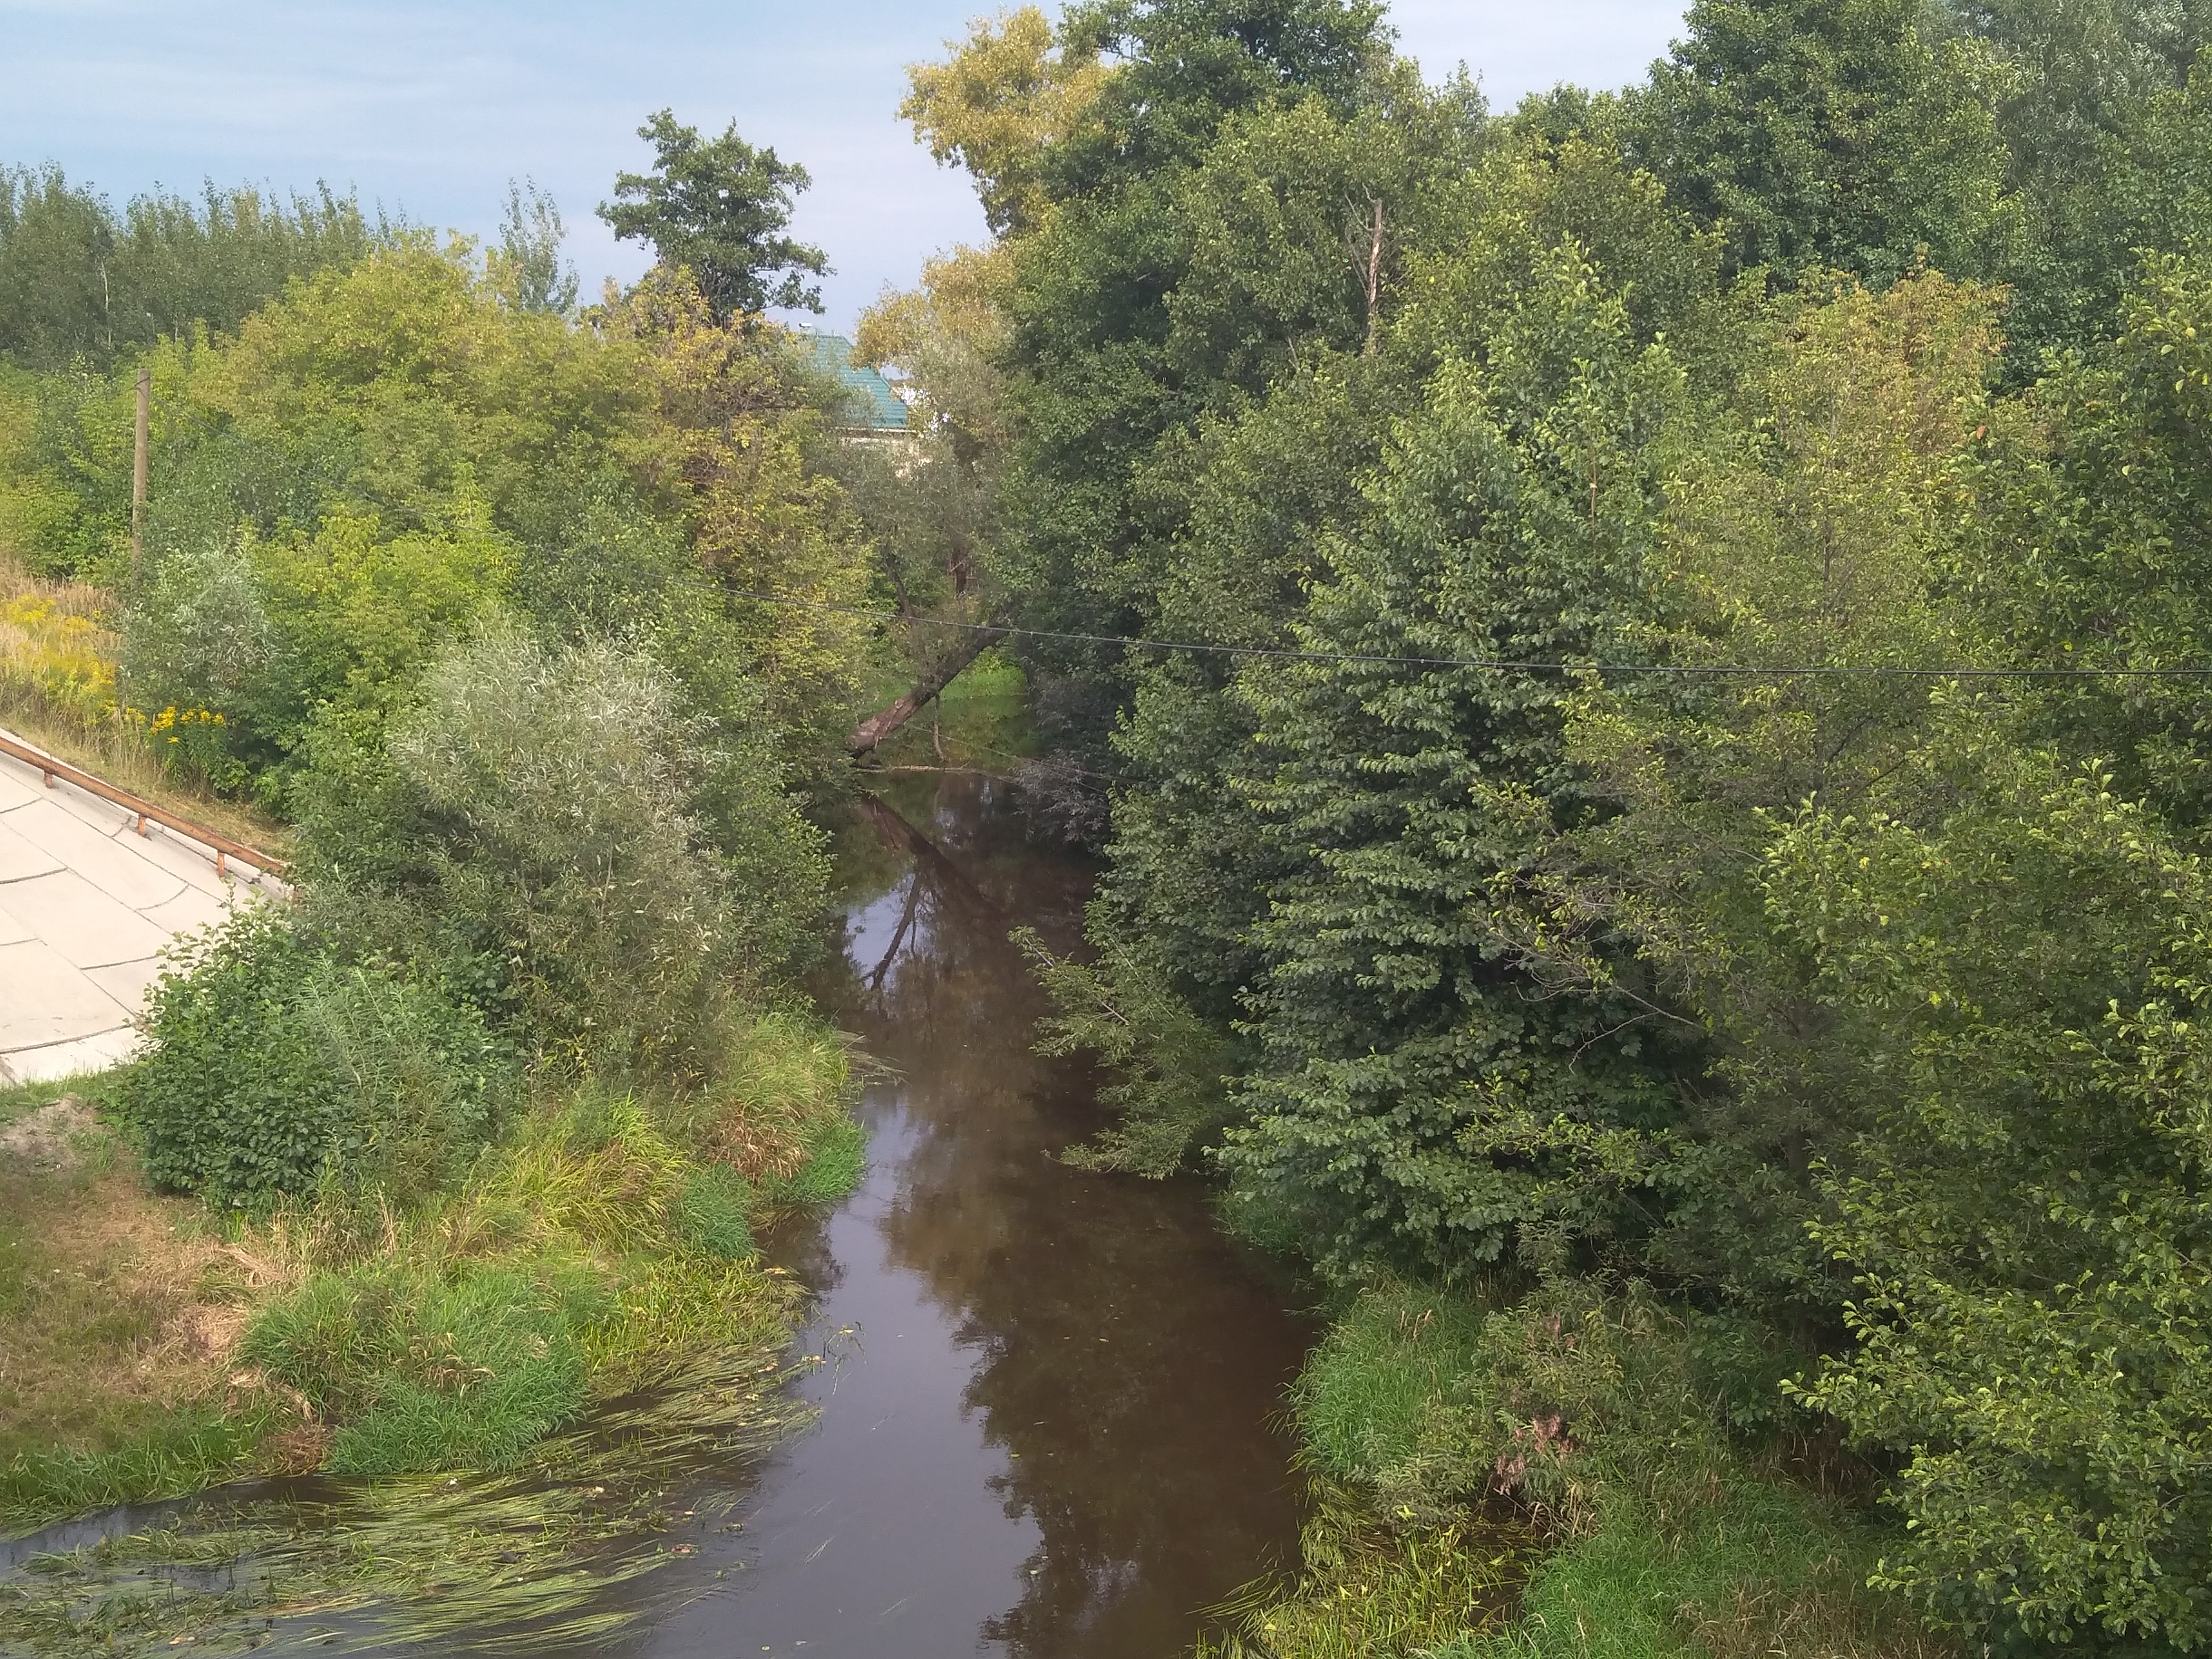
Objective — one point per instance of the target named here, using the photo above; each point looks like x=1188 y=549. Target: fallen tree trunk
x=904 y=706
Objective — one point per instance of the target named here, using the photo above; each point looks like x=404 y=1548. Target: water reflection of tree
x=1127 y=1364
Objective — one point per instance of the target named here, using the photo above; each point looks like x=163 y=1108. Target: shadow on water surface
x=1045 y=1406
x=1057 y=1432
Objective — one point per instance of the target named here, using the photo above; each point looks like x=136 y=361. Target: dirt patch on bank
x=54 y=1139
x=116 y=1304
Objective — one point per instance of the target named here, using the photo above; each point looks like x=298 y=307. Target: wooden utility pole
x=138 y=472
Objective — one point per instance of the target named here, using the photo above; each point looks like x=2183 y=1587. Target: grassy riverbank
x=601 y=1247
x=530 y=1364
x=1586 y=1473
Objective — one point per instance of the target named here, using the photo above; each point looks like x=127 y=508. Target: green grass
x=596 y=1256
x=101 y=1398
x=715 y=1213
x=602 y=1247
x=184 y=1452
x=1727 y=1560
x=1554 y=1480
x=429 y=1365
x=517 y=1373
x=837 y=1159
x=20 y=1099
x=1373 y=1582
x=1368 y=1392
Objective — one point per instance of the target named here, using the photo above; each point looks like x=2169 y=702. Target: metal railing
x=222 y=845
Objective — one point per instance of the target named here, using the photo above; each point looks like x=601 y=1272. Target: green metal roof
x=881 y=409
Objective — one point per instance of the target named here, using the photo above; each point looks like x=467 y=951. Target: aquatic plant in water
x=557 y=1550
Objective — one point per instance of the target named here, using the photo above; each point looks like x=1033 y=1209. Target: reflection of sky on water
x=1048 y=1433
x=879 y=1532
x=870 y=928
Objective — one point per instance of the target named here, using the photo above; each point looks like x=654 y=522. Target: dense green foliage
x=1831 y=134
x=394 y=453
x=451 y=576
x=717 y=209
x=272 y=1066
x=1513 y=936
x=532 y=829
x=81 y=284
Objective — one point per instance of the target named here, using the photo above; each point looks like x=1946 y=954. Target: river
x=1043 y=1416
x=1056 y=1430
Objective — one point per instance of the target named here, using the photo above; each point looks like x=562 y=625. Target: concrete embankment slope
x=88 y=904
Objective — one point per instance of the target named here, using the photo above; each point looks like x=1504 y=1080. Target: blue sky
x=432 y=107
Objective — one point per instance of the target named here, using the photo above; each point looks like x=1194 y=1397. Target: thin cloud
x=437 y=105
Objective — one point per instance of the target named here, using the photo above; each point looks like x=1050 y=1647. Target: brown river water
x=1055 y=1429
x=1048 y=1407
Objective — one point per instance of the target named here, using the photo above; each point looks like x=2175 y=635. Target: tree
x=1187 y=63
x=392 y=453
x=1212 y=228
x=718 y=208
x=532 y=272
x=1829 y=134
x=80 y=283
x=999 y=104
x=2029 y=1214
x=56 y=243
x=1421 y=1098
x=2089 y=542
x=2086 y=112
x=1807 y=528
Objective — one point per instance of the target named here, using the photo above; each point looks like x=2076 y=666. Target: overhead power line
x=1721 y=670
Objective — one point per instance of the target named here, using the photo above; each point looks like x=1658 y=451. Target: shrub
x=198 y=633
x=271 y=1066
x=535 y=810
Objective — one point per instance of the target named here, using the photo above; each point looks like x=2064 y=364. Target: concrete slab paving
x=122 y=873
x=20 y=858
x=46 y=1002
x=85 y=926
x=189 y=912
x=127 y=983
x=95 y=809
x=76 y=1057
x=87 y=908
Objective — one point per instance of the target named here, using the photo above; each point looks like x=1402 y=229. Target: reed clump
x=1583 y=1471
